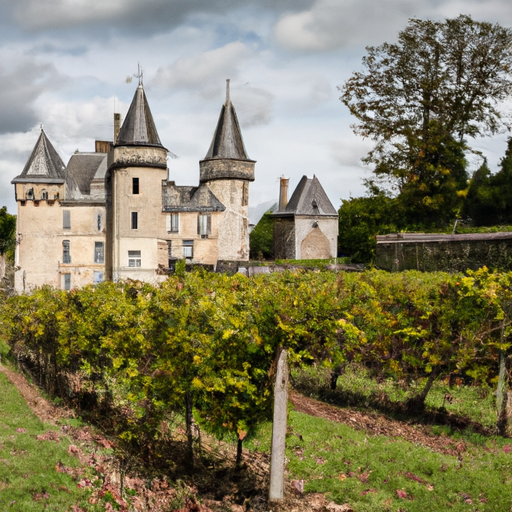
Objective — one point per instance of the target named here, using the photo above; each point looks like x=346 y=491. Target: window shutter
x=66 y=219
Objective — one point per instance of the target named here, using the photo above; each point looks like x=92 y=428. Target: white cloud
x=73 y=125
x=255 y=105
x=38 y=14
x=204 y=73
x=334 y=24
x=21 y=87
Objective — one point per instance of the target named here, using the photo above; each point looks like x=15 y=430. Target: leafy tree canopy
x=262 y=238
x=489 y=199
x=7 y=233
x=420 y=99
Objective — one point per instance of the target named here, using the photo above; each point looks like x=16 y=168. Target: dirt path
x=375 y=424
x=42 y=408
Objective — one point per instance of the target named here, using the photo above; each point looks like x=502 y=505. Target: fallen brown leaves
x=376 y=424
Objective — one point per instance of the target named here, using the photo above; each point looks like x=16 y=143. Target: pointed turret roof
x=138 y=128
x=44 y=164
x=309 y=198
x=227 y=140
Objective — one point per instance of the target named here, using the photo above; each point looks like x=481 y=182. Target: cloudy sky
x=67 y=64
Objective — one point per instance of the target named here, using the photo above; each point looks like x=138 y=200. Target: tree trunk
x=503 y=398
x=239 y=444
x=189 y=420
x=417 y=402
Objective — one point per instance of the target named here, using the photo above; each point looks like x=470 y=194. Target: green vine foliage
x=206 y=343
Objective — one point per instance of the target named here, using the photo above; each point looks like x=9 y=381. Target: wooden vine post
x=277 y=458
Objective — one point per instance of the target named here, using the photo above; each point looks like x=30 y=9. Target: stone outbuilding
x=306 y=226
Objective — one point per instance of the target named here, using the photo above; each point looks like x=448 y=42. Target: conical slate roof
x=138 y=128
x=227 y=140
x=44 y=164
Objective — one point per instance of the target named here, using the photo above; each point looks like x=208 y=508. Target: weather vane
x=139 y=75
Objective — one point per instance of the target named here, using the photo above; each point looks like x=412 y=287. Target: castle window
x=67 y=281
x=98 y=221
x=134 y=259
x=30 y=194
x=169 y=255
x=173 y=222
x=66 y=254
x=99 y=252
x=135 y=185
x=188 y=248
x=66 y=219
x=204 y=224
x=135 y=220
x=44 y=195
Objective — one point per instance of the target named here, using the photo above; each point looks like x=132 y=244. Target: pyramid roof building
x=309 y=198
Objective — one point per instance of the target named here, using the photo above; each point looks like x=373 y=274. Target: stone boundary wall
x=449 y=253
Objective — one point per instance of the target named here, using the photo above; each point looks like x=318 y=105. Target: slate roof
x=138 y=127
x=72 y=190
x=84 y=167
x=44 y=164
x=227 y=140
x=309 y=198
x=189 y=199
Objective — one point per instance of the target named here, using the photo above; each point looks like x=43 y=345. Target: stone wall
x=450 y=253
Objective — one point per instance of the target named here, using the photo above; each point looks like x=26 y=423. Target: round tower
x=137 y=168
x=227 y=170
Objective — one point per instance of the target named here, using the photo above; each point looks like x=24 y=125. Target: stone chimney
x=117 y=126
x=283 y=193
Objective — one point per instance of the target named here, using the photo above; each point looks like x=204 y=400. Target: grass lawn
x=375 y=473
x=29 y=453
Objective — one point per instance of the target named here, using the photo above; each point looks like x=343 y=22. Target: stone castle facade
x=115 y=214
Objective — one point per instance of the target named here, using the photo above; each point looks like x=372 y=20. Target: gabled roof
x=309 y=198
x=189 y=199
x=227 y=140
x=72 y=191
x=138 y=128
x=44 y=164
x=83 y=167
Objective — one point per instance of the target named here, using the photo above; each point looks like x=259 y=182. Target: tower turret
x=138 y=143
x=227 y=157
x=133 y=184
x=227 y=170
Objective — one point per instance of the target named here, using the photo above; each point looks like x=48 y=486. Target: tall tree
x=7 y=234
x=479 y=205
x=420 y=99
x=489 y=199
